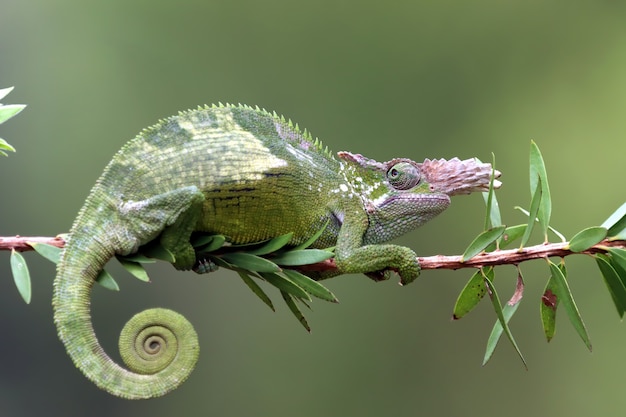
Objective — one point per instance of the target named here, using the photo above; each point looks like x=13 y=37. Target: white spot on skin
x=344 y=188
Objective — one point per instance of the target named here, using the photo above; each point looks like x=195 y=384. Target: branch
x=498 y=257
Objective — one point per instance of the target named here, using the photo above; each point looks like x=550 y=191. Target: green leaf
x=21 y=276
x=492 y=216
x=470 y=295
x=613 y=282
x=539 y=178
x=616 y=223
x=5 y=91
x=284 y=284
x=256 y=289
x=586 y=238
x=295 y=310
x=503 y=320
x=619 y=256
x=135 y=269
x=511 y=234
x=496 y=332
x=4 y=146
x=564 y=295
x=302 y=257
x=157 y=251
x=311 y=286
x=137 y=258
x=51 y=253
x=106 y=280
x=482 y=241
x=209 y=243
x=549 y=304
x=272 y=246
x=250 y=262
x=313 y=238
x=10 y=110
x=532 y=215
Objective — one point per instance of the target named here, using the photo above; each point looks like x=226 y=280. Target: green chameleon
x=250 y=175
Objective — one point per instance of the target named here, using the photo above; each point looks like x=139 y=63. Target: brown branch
x=498 y=257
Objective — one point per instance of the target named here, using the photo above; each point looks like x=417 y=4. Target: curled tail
x=159 y=346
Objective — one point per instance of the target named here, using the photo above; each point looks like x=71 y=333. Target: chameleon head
x=401 y=195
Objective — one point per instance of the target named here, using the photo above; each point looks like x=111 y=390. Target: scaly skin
x=249 y=175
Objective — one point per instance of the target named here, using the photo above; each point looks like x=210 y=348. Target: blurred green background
x=386 y=79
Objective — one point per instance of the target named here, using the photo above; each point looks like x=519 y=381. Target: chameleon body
x=250 y=175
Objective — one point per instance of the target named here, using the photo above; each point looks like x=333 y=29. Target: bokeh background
x=397 y=78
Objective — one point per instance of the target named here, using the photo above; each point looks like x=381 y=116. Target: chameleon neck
x=151 y=343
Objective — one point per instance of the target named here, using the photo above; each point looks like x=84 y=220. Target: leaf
x=5 y=91
x=539 y=179
x=586 y=238
x=313 y=238
x=470 y=295
x=496 y=333
x=613 y=282
x=619 y=256
x=4 y=146
x=106 y=280
x=21 y=276
x=135 y=269
x=511 y=234
x=256 y=289
x=157 y=251
x=51 y=253
x=492 y=216
x=302 y=257
x=273 y=245
x=564 y=295
x=482 y=241
x=209 y=243
x=503 y=320
x=616 y=223
x=549 y=304
x=311 y=286
x=10 y=110
x=295 y=310
x=138 y=258
x=552 y=229
x=284 y=284
x=532 y=215
x=250 y=262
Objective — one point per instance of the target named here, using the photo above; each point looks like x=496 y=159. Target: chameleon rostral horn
x=251 y=175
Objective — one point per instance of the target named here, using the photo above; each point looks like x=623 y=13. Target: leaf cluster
x=6 y=112
x=496 y=236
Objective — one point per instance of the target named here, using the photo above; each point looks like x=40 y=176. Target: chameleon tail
x=159 y=346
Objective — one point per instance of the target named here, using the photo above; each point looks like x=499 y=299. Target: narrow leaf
x=4 y=146
x=157 y=251
x=256 y=289
x=51 y=253
x=21 y=276
x=614 y=283
x=5 y=91
x=213 y=244
x=302 y=257
x=492 y=216
x=586 y=238
x=272 y=246
x=470 y=295
x=135 y=269
x=106 y=280
x=311 y=286
x=10 y=110
x=284 y=284
x=511 y=234
x=495 y=300
x=295 y=310
x=564 y=295
x=313 y=238
x=618 y=255
x=549 y=304
x=538 y=173
x=616 y=222
x=532 y=215
x=496 y=332
x=138 y=258
x=482 y=241
x=250 y=262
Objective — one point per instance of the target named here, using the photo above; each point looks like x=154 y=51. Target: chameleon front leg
x=351 y=256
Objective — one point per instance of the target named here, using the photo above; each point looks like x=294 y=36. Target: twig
x=498 y=257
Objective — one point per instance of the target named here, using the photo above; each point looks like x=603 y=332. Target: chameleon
x=251 y=175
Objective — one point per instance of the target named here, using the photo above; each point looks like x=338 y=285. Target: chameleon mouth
x=452 y=177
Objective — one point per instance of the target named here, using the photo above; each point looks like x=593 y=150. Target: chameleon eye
x=403 y=176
